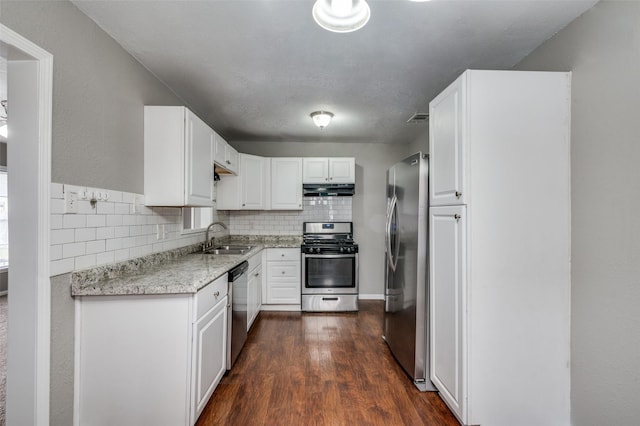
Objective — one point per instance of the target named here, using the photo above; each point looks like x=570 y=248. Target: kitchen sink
x=228 y=249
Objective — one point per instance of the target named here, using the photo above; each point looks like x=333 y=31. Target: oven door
x=330 y=273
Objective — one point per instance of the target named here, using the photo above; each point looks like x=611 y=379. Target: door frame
x=30 y=302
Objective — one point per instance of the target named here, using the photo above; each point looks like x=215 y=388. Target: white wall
x=369 y=201
x=602 y=49
x=98 y=94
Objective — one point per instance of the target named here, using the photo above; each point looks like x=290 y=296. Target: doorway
x=29 y=92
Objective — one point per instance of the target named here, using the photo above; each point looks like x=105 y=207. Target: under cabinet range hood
x=328 y=190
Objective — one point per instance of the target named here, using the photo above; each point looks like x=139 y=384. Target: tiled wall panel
x=117 y=228
x=316 y=209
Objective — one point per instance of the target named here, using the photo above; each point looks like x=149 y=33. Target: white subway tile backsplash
x=96 y=220
x=114 y=220
x=73 y=249
x=62 y=266
x=55 y=252
x=55 y=221
x=110 y=231
x=84 y=262
x=56 y=206
x=113 y=244
x=120 y=255
x=104 y=207
x=97 y=246
x=55 y=190
x=85 y=234
x=62 y=236
x=105 y=258
x=74 y=221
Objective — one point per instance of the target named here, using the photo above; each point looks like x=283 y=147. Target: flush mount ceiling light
x=341 y=16
x=321 y=118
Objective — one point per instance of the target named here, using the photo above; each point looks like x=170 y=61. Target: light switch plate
x=71 y=202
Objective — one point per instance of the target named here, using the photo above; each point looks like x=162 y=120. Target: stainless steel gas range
x=329 y=267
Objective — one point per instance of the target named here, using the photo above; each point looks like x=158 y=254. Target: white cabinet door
x=252 y=176
x=447 y=303
x=210 y=355
x=199 y=162
x=178 y=154
x=315 y=170
x=342 y=170
x=447 y=122
x=225 y=155
x=254 y=299
x=286 y=183
x=248 y=190
x=232 y=159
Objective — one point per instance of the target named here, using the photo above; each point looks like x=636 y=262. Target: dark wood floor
x=321 y=369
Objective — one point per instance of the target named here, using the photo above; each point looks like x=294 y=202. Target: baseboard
x=362 y=296
x=284 y=308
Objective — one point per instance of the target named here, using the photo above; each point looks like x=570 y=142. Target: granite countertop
x=184 y=270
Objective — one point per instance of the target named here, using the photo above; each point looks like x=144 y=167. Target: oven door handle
x=329 y=256
x=393 y=261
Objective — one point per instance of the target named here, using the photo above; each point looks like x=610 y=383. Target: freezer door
x=405 y=292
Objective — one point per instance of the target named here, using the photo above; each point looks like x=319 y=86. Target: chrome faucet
x=208 y=243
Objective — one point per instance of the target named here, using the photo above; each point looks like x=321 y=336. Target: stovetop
x=328 y=238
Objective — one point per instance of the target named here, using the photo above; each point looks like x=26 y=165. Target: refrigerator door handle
x=390 y=255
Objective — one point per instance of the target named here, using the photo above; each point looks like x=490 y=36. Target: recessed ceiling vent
x=419 y=117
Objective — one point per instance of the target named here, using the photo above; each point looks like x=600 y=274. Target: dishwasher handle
x=238 y=271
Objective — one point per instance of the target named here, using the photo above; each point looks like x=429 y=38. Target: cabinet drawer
x=255 y=261
x=208 y=296
x=283 y=271
x=283 y=293
x=283 y=254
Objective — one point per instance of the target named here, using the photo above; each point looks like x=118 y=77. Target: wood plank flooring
x=321 y=369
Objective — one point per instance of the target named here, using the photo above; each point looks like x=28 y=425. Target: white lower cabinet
x=210 y=354
x=282 y=278
x=254 y=296
x=149 y=359
x=448 y=302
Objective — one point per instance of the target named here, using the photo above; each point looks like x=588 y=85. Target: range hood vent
x=328 y=190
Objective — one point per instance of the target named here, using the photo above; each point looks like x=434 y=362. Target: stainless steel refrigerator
x=406 y=278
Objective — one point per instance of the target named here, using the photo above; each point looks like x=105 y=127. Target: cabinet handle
x=458 y=194
x=257 y=273
x=243 y=205
x=228 y=162
x=299 y=205
x=282 y=255
x=282 y=272
x=457 y=216
x=216 y=294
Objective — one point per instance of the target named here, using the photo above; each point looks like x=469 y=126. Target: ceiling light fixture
x=341 y=16
x=321 y=118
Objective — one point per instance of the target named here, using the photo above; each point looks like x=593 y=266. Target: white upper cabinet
x=178 y=158
x=329 y=170
x=225 y=156
x=247 y=191
x=286 y=183
x=447 y=124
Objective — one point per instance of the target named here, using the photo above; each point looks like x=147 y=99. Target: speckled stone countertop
x=184 y=270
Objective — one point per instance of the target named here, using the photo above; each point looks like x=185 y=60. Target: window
x=4 y=219
x=196 y=218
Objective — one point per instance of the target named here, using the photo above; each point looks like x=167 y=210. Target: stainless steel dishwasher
x=237 y=312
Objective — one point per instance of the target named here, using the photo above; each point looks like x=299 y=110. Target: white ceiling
x=256 y=69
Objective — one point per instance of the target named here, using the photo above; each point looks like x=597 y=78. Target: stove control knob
x=342 y=249
x=317 y=249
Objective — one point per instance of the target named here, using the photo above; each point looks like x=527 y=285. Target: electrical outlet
x=70 y=202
